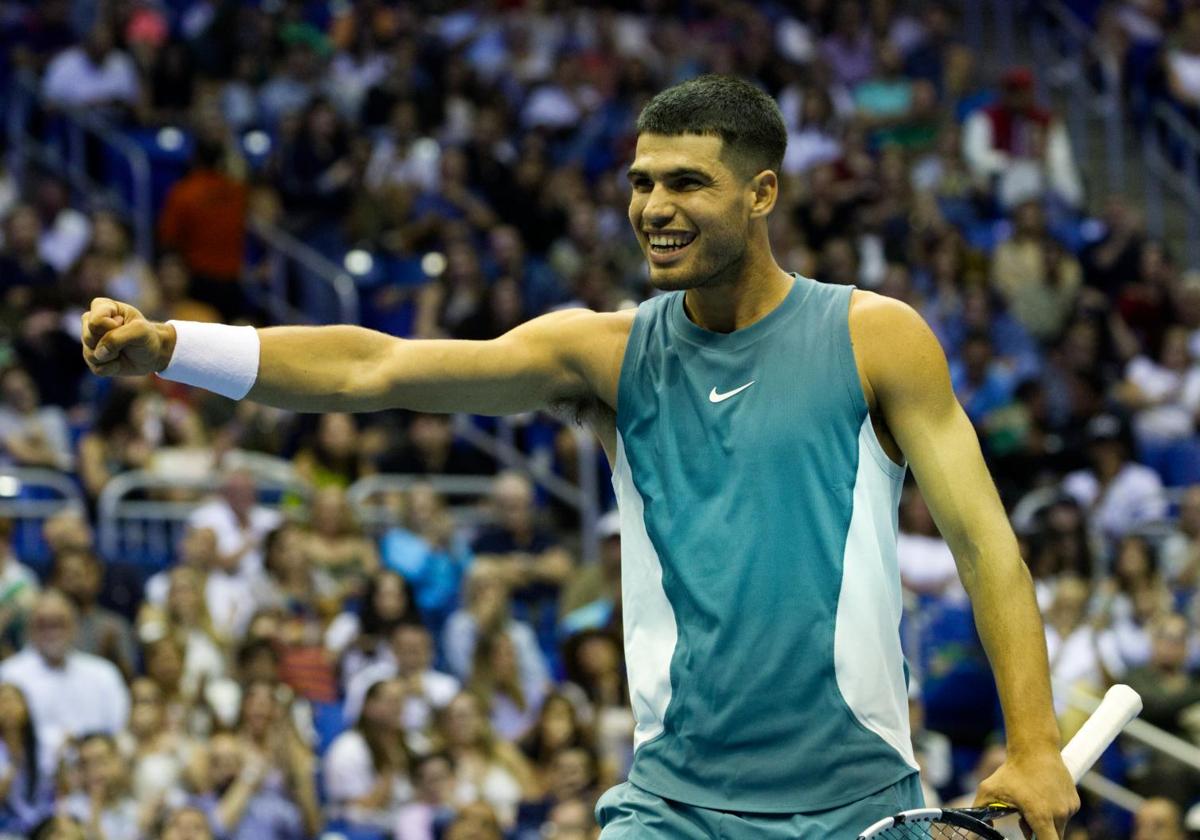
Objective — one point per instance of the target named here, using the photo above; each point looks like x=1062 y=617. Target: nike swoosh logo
x=714 y=397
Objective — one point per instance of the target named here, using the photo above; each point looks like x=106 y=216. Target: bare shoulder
x=892 y=343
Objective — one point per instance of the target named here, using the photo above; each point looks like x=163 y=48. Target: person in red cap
x=1020 y=149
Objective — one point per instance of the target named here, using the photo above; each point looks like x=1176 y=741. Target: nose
x=659 y=209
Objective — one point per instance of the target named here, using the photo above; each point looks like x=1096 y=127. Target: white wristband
x=216 y=357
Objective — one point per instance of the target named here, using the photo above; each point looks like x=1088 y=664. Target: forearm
x=321 y=369
x=1010 y=626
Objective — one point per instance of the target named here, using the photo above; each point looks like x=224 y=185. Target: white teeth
x=668 y=241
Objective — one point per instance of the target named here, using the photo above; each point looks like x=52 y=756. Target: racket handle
x=1120 y=705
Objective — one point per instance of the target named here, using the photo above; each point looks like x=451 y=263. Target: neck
x=725 y=307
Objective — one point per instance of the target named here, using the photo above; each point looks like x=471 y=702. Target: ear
x=765 y=191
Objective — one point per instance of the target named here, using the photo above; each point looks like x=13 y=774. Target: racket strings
x=926 y=831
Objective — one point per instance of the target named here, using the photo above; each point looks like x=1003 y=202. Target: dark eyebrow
x=671 y=174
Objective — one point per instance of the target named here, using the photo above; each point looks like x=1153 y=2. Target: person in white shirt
x=427 y=690
x=228 y=595
x=240 y=523
x=56 y=680
x=1119 y=494
x=95 y=74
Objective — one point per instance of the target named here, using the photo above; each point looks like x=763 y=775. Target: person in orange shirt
x=204 y=219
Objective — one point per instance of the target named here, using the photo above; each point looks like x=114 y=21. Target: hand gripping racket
x=1120 y=705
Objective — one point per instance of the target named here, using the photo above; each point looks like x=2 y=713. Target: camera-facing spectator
x=1158 y=819
x=31 y=434
x=79 y=574
x=235 y=799
x=102 y=801
x=240 y=523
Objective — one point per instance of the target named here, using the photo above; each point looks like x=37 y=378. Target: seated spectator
x=573 y=776
x=982 y=382
x=1181 y=547
x=430 y=449
x=360 y=638
x=476 y=821
x=595 y=664
x=80 y=576
x=1162 y=394
x=102 y=801
x=1118 y=494
x=592 y=599
x=26 y=794
x=53 y=676
x=1082 y=656
x=430 y=812
x=486 y=767
x=266 y=727
x=186 y=823
x=333 y=457
x=234 y=799
x=486 y=612
x=65 y=231
x=211 y=244
x=1158 y=818
x=184 y=617
x=159 y=755
x=31 y=434
x=128 y=430
x=558 y=727
x=1039 y=279
x=528 y=557
x=926 y=565
x=496 y=677
x=291 y=583
x=1169 y=688
x=428 y=550
x=336 y=545
x=18 y=590
x=95 y=74
x=24 y=275
x=127 y=277
x=426 y=691
x=1183 y=62
x=241 y=524
x=368 y=769
x=1019 y=149
x=893 y=107
x=59 y=827
x=228 y=595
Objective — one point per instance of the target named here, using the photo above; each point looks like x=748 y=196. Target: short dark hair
x=746 y=119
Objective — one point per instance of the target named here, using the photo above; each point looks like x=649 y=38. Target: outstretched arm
x=910 y=385
x=348 y=368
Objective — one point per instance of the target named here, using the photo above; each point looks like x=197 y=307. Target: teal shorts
x=626 y=812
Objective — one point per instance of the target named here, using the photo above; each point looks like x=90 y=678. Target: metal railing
x=289 y=262
x=29 y=496
x=1170 y=148
x=27 y=107
x=461 y=491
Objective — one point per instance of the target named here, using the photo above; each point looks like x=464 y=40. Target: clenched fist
x=119 y=341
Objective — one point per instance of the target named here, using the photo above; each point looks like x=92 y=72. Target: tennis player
x=759 y=425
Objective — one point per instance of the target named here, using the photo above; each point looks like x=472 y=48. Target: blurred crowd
x=448 y=676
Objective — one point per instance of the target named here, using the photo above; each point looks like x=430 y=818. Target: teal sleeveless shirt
x=760 y=588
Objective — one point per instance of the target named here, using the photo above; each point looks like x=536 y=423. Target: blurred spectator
x=425 y=691
x=126 y=275
x=95 y=74
x=26 y=794
x=595 y=665
x=893 y=107
x=53 y=675
x=240 y=523
x=336 y=545
x=1118 y=493
x=1162 y=394
x=849 y=49
x=124 y=437
x=65 y=232
x=18 y=589
x=1020 y=148
x=1082 y=656
x=430 y=449
x=1170 y=691
x=486 y=767
x=525 y=555
x=1039 y=279
x=1158 y=819
x=368 y=769
x=513 y=696
x=186 y=823
x=32 y=434
x=1181 y=547
x=160 y=756
x=24 y=274
x=228 y=595
x=210 y=241
x=235 y=800
x=593 y=596
x=982 y=382
x=175 y=284
x=333 y=456
x=573 y=780
x=360 y=636
x=79 y=574
x=290 y=583
x=184 y=616
x=926 y=565
x=59 y=827
x=102 y=801
x=1183 y=61
x=430 y=811
x=476 y=821
x=487 y=611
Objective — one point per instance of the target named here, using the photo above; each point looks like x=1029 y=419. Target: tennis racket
x=1120 y=705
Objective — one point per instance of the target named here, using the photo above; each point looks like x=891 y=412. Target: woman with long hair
x=336 y=544
x=24 y=798
x=368 y=769
x=559 y=726
x=185 y=618
x=496 y=677
x=486 y=767
x=360 y=636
